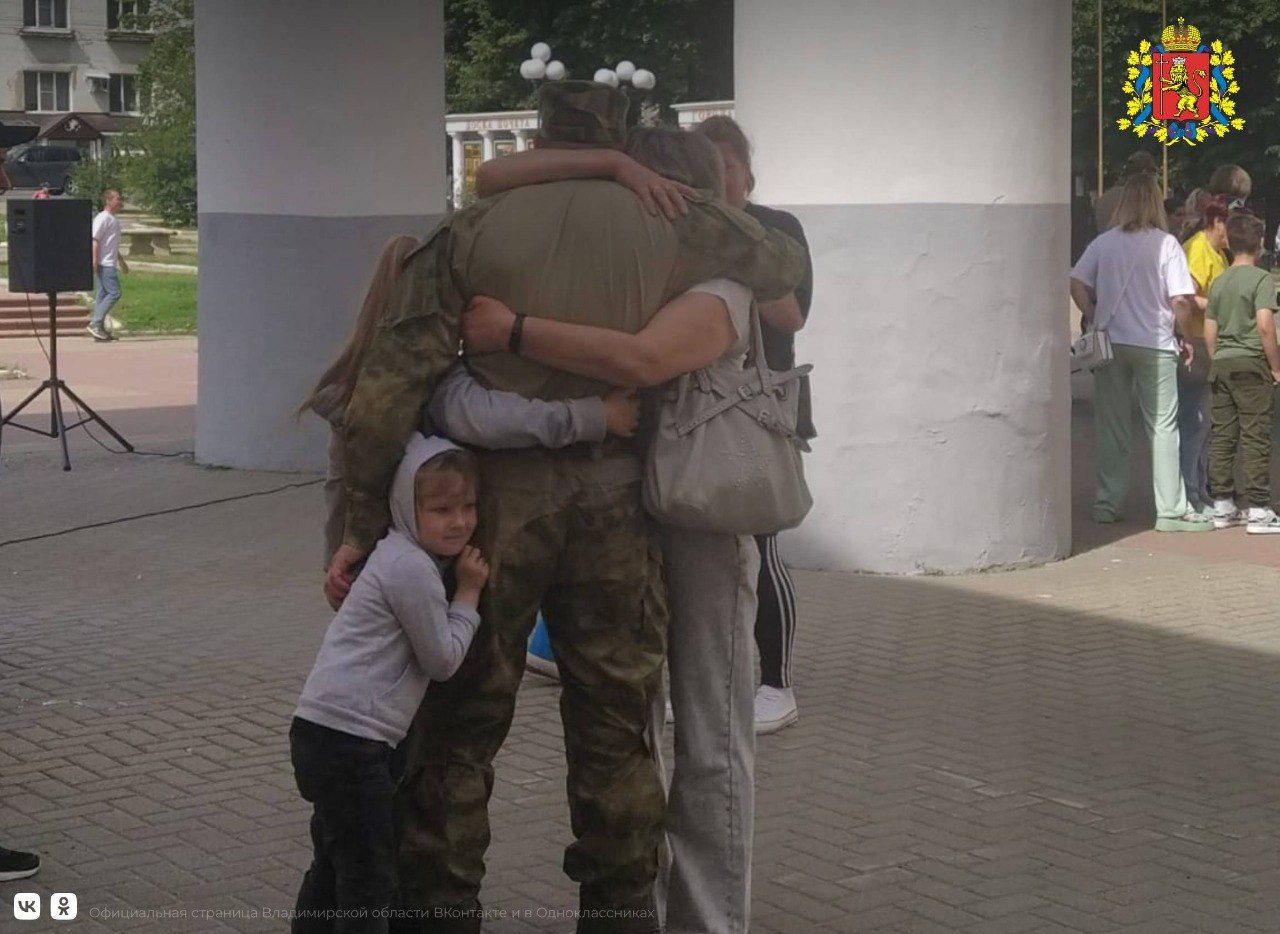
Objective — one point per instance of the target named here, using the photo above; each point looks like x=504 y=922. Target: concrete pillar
x=925 y=148
x=486 y=145
x=522 y=140
x=318 y=136
x=459 y=155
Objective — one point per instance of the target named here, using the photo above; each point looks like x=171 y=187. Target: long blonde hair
x=1141 y=205
x=342 y=372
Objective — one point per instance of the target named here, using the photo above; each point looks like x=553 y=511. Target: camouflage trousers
x=565 y=531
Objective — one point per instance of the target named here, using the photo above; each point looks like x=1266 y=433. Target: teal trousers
x=1153 y=376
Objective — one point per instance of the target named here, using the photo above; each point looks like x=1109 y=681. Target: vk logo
x=26 y=906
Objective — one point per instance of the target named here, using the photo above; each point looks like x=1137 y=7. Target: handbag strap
x=1097 y=322
x=743 y=393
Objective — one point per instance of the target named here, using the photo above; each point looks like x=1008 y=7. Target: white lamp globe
x=533 y=69
x=644 y=79
x=556 y=71
x=541 y=51
x=605 y=76
x=625 y=70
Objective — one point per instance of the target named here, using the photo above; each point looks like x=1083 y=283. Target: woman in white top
x=1133 y=283
x=711 y=577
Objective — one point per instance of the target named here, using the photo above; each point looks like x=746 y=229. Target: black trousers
x=351 y=884
x=776 y=615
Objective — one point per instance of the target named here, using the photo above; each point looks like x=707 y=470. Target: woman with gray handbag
x=723 y=463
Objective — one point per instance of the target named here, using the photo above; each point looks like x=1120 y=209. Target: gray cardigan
x=395 y=632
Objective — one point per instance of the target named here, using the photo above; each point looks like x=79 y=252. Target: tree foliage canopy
x=155 y=164
x=688 y=44
x=1250 y=28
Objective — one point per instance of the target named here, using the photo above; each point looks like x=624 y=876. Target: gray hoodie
x=395 y=631
x=464 y=410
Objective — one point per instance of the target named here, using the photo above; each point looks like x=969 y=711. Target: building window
x=129 y=15
x=45 y=14
x=47 y=91
x=124 y=94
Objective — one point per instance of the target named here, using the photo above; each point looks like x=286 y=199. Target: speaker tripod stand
x=58 y=427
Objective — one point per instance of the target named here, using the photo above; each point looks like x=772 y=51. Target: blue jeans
x=1193 y=425
x=107 y=294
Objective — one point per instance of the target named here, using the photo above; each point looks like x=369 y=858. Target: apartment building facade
x=71 y=67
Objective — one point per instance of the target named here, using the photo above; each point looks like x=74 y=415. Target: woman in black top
x=776 y=617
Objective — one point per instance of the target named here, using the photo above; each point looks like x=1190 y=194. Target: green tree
x=1250 y=28
x=688 y=44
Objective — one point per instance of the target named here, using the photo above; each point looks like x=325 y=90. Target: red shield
x=1176 y=78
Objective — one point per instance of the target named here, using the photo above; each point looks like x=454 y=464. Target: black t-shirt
x=779 y=346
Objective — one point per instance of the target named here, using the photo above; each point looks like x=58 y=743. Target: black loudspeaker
x=50 y=245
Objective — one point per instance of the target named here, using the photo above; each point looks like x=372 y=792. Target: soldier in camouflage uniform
x=563 y=529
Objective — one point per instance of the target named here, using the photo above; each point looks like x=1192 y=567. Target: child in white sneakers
x=1240 y=331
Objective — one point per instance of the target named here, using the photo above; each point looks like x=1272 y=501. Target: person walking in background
x=775 y=704
x=1206 y=260
x=1133 y=283
x=107 y=262
x=1240 y=329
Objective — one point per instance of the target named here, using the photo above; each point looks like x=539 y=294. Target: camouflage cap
x=584 y=112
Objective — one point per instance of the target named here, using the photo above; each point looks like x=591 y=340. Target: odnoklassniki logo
x=1180 y=91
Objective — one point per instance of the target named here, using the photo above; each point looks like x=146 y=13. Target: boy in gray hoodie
x=396 y=631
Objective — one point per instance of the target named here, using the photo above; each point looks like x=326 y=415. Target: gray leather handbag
x=725 y=456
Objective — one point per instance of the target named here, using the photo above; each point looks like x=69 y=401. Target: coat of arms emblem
x=1180 y=90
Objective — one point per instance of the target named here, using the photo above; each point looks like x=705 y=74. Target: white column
x=940 y=235
x=486 y=145
x=287 y=238
x=459 y=154
x=522 y=140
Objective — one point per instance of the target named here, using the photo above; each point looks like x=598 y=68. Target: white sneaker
x=1263 y=522
x=775 y=709
x=1226 y=515
x=542 y=666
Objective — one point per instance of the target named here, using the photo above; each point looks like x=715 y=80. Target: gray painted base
x=941 y=391
x=277 y=299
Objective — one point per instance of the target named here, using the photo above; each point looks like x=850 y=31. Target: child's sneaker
x=1263 y=521
x=1226 y=515
x=540 y=658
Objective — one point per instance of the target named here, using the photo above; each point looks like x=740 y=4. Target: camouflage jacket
x=580 y=251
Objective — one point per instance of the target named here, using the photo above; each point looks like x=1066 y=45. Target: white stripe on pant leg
x=786 y=604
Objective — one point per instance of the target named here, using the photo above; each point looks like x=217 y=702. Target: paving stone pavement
x=1088 y=746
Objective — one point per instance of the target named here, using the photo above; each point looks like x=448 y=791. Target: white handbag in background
x=1091 y=351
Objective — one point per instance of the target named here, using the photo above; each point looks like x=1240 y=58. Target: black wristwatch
x=517 y=332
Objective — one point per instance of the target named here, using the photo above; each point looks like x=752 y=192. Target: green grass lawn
x=158 y=302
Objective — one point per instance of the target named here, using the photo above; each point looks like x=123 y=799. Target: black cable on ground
x=161 y=512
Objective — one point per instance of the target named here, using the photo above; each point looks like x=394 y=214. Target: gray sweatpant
x=711 y=594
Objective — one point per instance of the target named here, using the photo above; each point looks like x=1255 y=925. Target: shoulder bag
x=725 y=456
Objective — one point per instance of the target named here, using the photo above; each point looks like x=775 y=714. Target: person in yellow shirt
x=1207 y=259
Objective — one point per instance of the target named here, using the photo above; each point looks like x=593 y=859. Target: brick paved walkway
x=1084 y=747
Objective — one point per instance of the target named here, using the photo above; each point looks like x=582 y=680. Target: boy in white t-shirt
x=107 y=262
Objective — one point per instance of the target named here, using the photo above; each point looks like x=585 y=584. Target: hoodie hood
x=417 y=451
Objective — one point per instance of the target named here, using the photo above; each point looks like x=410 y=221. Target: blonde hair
x=724 y=129
x=342 y=372
x=679 y=155
x=1141 y=205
